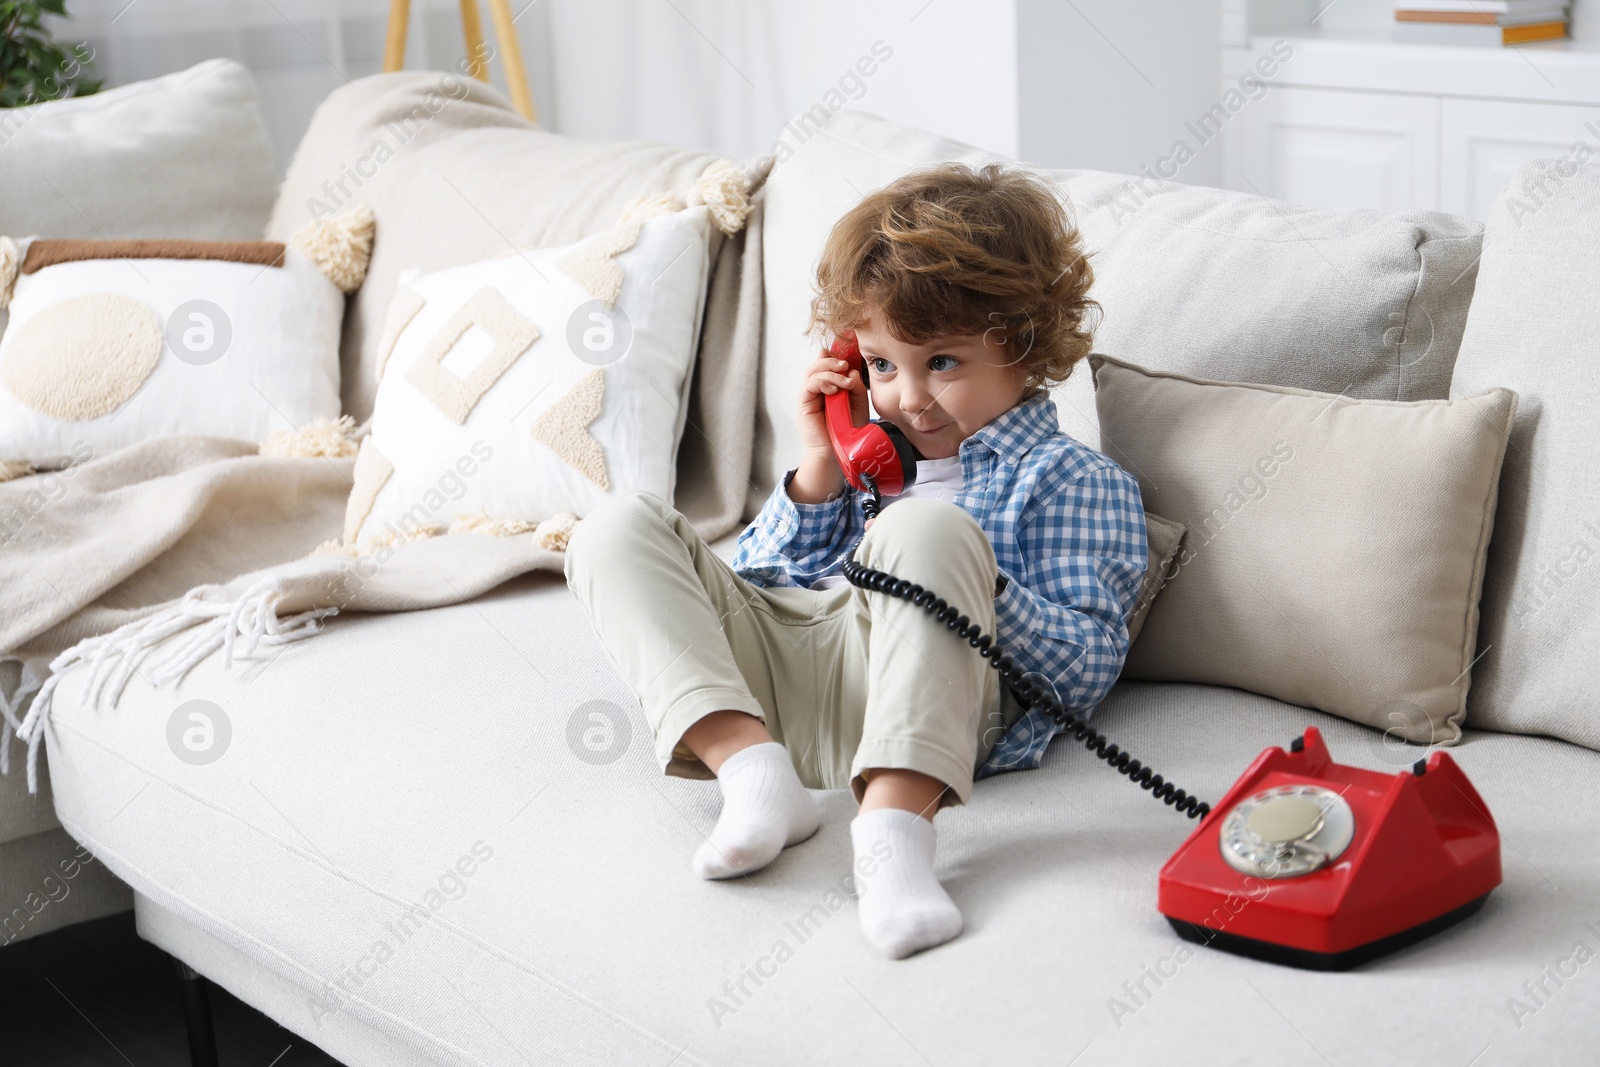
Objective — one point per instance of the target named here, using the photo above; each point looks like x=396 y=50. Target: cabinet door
x=1485 y=141
x=1336 y=149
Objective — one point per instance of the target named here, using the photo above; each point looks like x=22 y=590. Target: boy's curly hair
x=951 y=250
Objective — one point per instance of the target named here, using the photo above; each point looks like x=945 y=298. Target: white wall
x=1109 y=84
x=298 y=50
x=718 y=74
x=1354 y=14
x=726 y=74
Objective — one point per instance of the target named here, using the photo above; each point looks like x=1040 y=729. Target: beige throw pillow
x=1163 y=536
x=1335 y=548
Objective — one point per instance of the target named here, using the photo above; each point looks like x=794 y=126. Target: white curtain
x=727 y=74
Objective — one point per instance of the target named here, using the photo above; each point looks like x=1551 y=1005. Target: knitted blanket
x=149 y=559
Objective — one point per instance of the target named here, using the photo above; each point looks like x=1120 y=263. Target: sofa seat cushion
x=449 y=825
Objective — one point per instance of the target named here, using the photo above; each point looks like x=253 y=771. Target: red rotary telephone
x=1311 y=863
x=1304 y=862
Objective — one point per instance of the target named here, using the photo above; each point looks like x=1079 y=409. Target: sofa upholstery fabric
x=1541 y=601
x=366 y=767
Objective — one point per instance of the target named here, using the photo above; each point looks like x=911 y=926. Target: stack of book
x=1480 y=22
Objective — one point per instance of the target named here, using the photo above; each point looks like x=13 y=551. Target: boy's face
x=941 y=392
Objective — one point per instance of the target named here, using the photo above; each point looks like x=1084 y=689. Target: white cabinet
x=1359 y=121
x=1339 y=149
x=1483 y=142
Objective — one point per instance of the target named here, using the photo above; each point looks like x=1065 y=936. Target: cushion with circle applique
x=114 y=342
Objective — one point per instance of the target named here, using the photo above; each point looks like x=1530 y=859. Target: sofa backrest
x=1195 y=280
x=454 y=176
x=1535 y=328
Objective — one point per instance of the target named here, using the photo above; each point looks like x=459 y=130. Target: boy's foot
x=765 y=809
x=903 y=907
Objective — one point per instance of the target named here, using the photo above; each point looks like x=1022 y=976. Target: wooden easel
x=394 y=50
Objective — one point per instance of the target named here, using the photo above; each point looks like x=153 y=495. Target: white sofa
x=201 y=167
x=419 y=764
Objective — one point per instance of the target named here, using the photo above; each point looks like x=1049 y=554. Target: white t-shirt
x=937 y=479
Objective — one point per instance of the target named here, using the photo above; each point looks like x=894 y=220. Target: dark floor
x=95 y=994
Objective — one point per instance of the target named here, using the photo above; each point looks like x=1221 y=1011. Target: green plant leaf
x=33 y=67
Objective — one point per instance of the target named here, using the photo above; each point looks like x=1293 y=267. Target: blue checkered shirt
x=1068 y=530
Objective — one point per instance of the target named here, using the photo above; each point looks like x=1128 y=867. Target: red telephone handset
x=878 y=450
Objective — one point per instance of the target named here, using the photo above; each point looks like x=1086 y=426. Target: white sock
x=765 y=809
x=903 y=907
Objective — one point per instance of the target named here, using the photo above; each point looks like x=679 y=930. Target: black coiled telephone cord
x=1031 y=693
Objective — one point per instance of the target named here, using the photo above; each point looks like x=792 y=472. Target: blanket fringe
x=27 y=684
x=210 y=625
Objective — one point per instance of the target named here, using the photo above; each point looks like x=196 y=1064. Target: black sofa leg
x=197 y=1016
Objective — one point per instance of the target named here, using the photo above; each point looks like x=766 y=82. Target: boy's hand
x=823 y=378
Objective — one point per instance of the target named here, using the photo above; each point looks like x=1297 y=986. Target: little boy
x=966 y=291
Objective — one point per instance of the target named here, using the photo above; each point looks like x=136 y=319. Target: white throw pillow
x=115 y=342
x=536 y=384
x=182 y=155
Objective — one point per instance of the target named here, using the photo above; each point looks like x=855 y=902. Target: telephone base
x=1322 y=961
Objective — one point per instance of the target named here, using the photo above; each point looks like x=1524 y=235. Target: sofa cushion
x=1203 y=281
x=410 y=828
x=1535 y=327
x=565 y=369
x=455 y=176
x=185 y=155
x=1163 y=537
x=1306 y=512
x=112 y=343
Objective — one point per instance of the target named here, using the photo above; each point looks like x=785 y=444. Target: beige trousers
x=847 y=680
